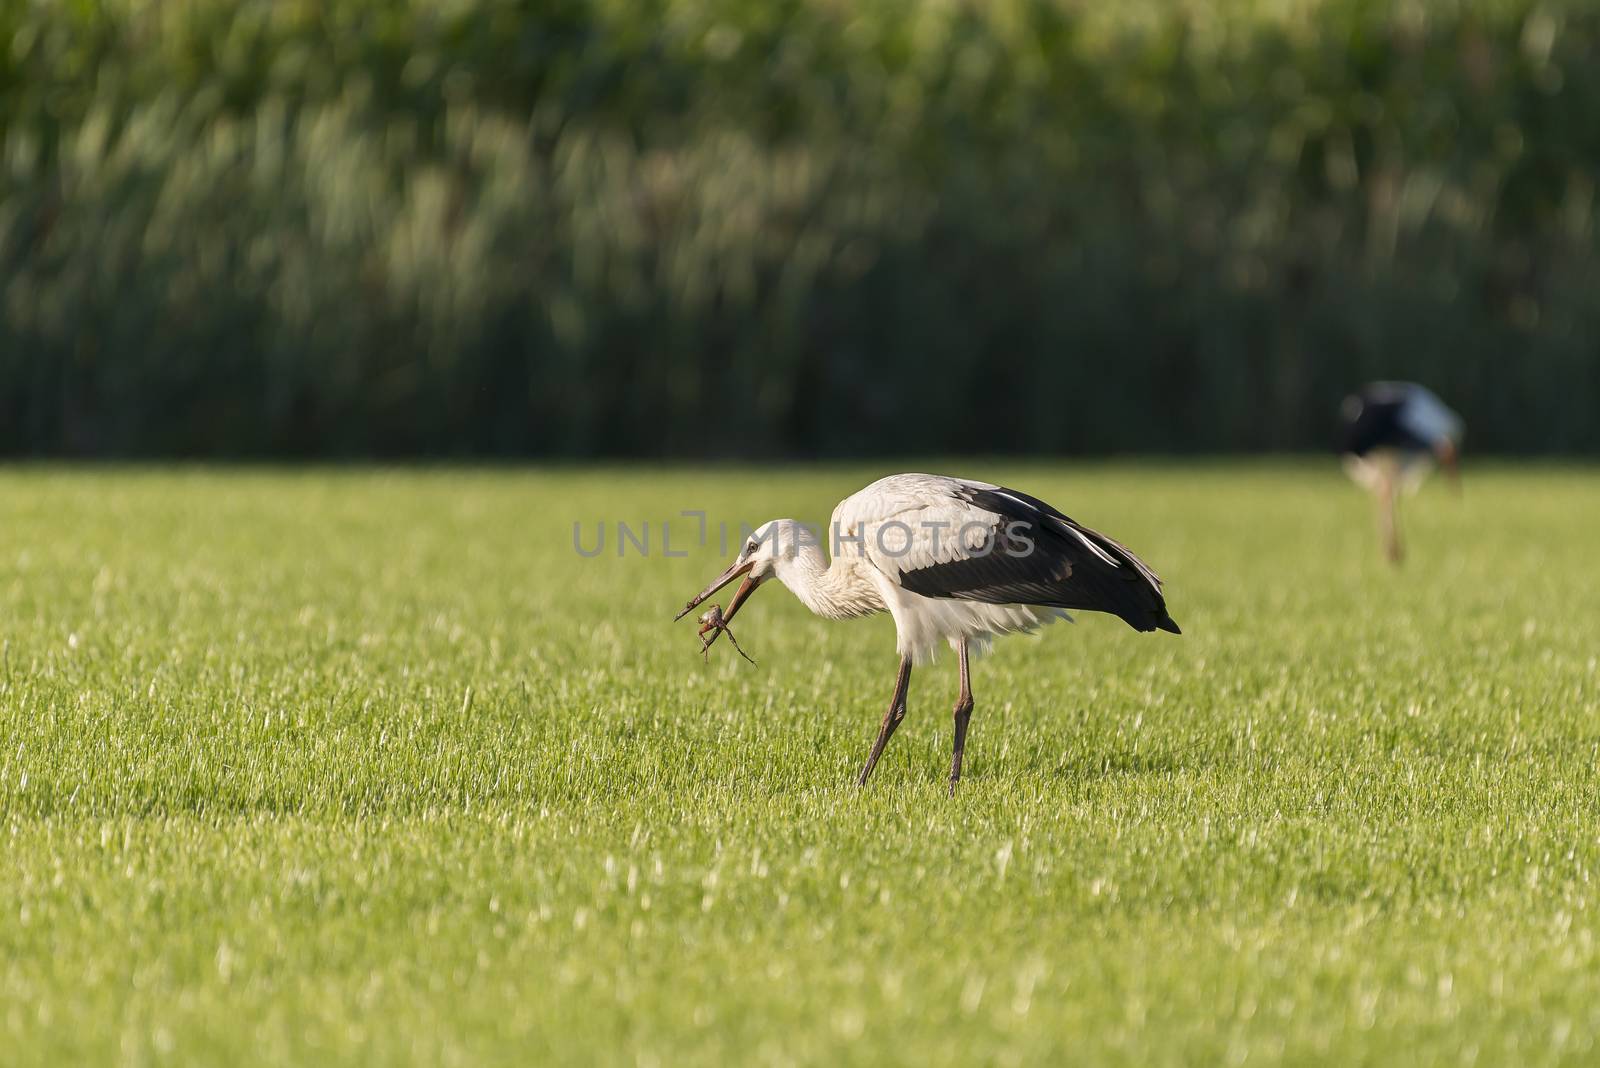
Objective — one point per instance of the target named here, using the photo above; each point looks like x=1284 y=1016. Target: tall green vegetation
x=375 y=227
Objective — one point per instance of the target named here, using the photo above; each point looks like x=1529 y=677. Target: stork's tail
x=1153 y=618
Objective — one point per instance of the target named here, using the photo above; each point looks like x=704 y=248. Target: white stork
x=949 y=559
x=1393 y=432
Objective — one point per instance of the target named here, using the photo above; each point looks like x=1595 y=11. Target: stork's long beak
x=1450 y=460
x=745 y=589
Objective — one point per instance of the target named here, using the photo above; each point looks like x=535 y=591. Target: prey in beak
x=716 y=621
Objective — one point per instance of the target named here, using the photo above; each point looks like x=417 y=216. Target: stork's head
x=767 y=548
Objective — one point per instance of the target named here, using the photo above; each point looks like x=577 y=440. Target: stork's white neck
x=833 y=591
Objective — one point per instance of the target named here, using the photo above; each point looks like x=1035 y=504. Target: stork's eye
x=750 y=549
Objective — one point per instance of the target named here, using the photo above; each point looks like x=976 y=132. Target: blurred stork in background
x=1393 y=434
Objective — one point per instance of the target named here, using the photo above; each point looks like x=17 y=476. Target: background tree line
x=790 y=227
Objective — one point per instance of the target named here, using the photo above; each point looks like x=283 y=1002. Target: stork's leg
x=963 y=714
x=891 y=719
x=1389 y=518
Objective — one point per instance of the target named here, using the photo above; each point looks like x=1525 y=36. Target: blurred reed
x=483 y=227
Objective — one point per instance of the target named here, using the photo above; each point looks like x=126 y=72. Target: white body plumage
x=899 y=524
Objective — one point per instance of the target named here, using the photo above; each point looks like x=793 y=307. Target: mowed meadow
x=371 y=767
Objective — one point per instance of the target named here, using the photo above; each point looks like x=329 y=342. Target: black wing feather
x=1372 y=420
x=1067 y=566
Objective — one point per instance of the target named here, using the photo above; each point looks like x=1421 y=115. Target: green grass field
x=371 y=767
